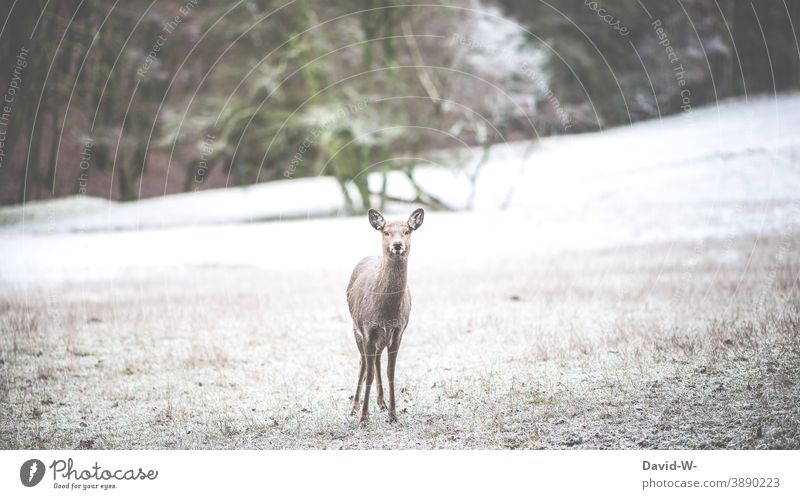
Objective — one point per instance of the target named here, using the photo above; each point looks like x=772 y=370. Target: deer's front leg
x=390 y=374
x=362 y=371
x=378 y=381
x=394 y=348
x=369 y=352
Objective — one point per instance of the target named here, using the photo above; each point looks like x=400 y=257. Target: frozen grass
x=640 y=291
x=674 y=345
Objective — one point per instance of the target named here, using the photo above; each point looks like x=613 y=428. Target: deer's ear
x=415 y=220
x=376 y=219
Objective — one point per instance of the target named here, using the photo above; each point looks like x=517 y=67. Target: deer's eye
x=386 y=233
x=405 y=232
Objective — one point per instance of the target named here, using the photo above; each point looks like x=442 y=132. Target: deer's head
x=396 y=234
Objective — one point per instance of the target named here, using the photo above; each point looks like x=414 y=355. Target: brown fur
x=380 y=304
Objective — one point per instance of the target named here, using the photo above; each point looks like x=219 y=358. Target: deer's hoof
x=381 y=404
x=364 y=419
x=392 y=417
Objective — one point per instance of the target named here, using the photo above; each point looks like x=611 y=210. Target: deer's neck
x=393 y=277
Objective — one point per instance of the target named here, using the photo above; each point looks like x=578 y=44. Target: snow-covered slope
x=284 y=199
x=725 y=170
x=735 y=151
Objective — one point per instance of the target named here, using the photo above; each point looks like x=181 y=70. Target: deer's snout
x=397 y=246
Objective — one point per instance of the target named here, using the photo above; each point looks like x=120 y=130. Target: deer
x=380 y=305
